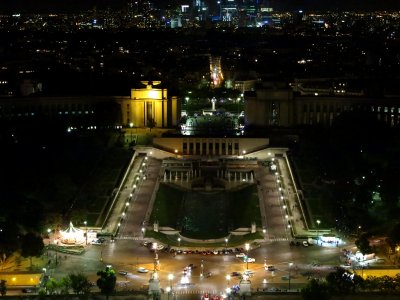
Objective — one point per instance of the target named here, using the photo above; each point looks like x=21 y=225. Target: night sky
x=74 y=5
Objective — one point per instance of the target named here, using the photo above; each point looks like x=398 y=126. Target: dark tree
x=363 y=245
x=107 y=281
x=3 y=287
x=151 y=123
x=394 y=236
x=315 y=290
x=80 y=284
x=342 y=282
x=31 y=245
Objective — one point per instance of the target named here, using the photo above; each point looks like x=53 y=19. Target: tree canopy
x=107 y=281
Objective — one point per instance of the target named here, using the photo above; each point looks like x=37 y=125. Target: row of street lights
x=287 y=217
x=285 y=207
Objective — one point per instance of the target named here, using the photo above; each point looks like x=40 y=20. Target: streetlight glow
x=290 y=268
x=85 y=222
x=247 y=247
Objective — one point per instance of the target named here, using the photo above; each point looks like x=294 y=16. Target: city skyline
x=27 y=6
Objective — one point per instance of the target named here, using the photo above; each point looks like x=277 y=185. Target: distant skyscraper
x=228 y=10
x=200 y=10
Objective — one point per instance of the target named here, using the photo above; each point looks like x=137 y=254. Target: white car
x=142 y=270
x=250 y=260
x=305 y=243
x=240 y=255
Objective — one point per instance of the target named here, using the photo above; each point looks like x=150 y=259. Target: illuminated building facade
x=281 y=107
x=211 y=146
x=149 y=107
x=146 y=107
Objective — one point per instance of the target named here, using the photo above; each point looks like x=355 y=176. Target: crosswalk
x=128 y=237
x=278 y=239
x=196 y=292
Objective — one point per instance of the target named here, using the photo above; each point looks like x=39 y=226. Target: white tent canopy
x=72 y=235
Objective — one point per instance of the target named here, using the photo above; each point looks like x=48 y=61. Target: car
x=27 y=290
x=240 y=255
x=249 y=259
x=305 y=243
x=235 y=274
x=124 y=273
x=96 y=242
x=205 y=297
x=270 y=268
x=101 y=239
x=142 y=270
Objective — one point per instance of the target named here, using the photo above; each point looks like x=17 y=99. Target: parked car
x=27 y=290
x=235 y=274
x=142 y=270
x=240 y=255
x=124 y=273
x=250 y=260
x=305 y=243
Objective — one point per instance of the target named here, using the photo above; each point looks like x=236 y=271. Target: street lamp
x=48 y=245
x=170 y=278
x=290 y=268
x=202 y=269
x=228 y=279
x=247 y=247
x=318 y=222
x=168 y=289
x=226 y=242
x=179 y=241
x=155 y=257
x=85 y=222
